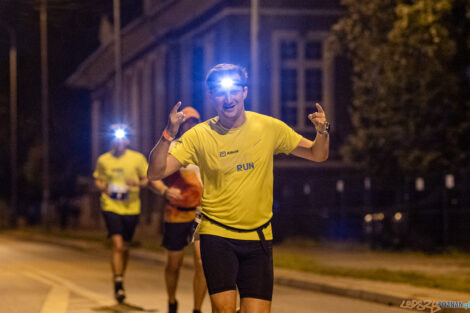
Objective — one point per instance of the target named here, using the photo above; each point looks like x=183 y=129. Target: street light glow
x=398 y=216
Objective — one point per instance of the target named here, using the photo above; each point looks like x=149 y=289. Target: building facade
x=168 y=50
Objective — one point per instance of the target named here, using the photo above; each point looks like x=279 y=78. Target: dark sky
x=73 y=35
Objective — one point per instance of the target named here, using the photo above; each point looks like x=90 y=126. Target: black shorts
x=176 y=236
x=231 y=263
x=123 y=225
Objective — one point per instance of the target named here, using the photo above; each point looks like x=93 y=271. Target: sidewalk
x=392 y=294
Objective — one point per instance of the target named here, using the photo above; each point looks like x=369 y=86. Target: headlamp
x=119 y=133
x=227 y=83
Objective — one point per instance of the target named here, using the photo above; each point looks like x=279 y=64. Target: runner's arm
x=316 y=150
x=158 y=187
x=161 y=163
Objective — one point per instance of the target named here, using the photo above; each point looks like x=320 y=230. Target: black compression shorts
x=123 y=225
x=176 y=236
x=231 y=263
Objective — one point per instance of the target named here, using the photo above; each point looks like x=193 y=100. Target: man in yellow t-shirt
x=234 y=152
x=119 y=175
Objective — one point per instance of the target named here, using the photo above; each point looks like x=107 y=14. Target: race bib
x=118 y=192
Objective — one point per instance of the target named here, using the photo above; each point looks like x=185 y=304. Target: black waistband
x=259 y=230
x=240 y=230
x=185 y=209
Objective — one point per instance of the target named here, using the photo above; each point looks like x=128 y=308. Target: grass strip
x=299 y=262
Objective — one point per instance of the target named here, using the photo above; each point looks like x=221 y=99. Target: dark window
x=288 y=50
x=289 y=115
x=198 y=78
x=313 y=50
x=288 y=85
x=313 y=85
x=289 y=94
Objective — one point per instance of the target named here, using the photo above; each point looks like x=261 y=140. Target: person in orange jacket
x=182 y=191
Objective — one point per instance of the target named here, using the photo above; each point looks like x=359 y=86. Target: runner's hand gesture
x=175 y=120
x=318 y=118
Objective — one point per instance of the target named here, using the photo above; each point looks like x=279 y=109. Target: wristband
x=326 y=131
x=166 y=136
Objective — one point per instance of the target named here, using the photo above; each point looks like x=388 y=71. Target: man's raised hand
x=175 y=120
x=318 y=118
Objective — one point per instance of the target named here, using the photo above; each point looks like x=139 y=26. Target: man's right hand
x=175 y=120
x=173 y=194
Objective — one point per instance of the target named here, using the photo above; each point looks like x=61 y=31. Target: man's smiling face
x=229 y=99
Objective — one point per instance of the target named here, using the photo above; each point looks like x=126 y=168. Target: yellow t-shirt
x=236 y=170
x=114 y=172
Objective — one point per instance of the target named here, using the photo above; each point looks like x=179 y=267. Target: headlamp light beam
x=226 y=83
x=119 y=133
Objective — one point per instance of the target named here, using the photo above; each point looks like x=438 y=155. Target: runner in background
x=119 y=175
x=182 y=191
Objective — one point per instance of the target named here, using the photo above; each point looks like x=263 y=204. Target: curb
x=375 y=297
x=340 y=291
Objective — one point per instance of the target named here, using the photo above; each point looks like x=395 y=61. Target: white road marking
x=97 y=297
x=56 y=301
x=58 y=298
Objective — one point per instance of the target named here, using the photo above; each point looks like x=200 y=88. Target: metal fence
x=420 y=212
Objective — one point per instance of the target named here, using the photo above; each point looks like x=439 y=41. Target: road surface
x=44 y=278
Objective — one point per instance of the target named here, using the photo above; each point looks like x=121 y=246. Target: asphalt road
x=44 y=278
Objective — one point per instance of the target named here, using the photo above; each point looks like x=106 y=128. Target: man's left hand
x=318 y=118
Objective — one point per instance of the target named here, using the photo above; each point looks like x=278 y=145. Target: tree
x=411 y=105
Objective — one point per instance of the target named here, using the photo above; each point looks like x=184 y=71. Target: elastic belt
x=185 y=209
x=259 y=230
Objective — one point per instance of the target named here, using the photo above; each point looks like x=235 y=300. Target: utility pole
x=117 y=60
x=13 y=128
x=45 y=113
x=11 y=215
x=254 y=53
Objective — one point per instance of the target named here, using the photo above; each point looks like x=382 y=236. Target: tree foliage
x=411 y=105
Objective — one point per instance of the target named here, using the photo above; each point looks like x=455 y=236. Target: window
x=313 y=50
x=289 y=95
x=298 y=84
x=288 y=50
x=313 y=85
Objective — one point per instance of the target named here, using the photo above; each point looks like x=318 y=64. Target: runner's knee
x=224 y=309
x=120 y=247
x=173 y=265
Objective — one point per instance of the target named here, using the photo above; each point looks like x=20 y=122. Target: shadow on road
x=123 y=308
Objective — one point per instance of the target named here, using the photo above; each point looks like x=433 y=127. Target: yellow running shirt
x=236 y=170
x=114 y=172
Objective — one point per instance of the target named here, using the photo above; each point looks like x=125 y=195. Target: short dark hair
x=215 y=73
